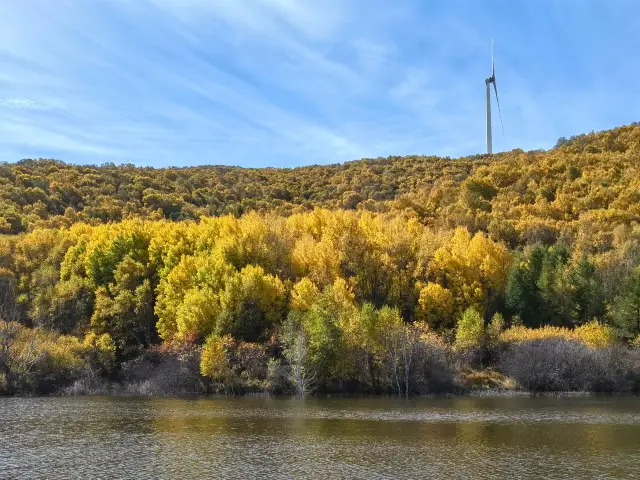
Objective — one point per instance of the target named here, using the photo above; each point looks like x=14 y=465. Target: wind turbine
x=488 y=82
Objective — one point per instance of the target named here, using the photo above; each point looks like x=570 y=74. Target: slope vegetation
x=367 y=276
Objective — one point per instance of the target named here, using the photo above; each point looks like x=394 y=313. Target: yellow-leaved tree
x=474 y=268
x=435 y=306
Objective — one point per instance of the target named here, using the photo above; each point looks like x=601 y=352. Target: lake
x=462 y=437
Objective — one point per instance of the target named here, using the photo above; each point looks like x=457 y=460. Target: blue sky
x=297 y=82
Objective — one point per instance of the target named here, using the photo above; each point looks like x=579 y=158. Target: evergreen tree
x=625 y=308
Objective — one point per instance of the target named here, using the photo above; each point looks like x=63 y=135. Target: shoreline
x=476 y=393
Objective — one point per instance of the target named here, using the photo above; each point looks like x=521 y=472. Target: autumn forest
x=400 y=275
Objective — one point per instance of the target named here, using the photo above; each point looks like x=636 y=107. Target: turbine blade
x=495 y=88
x=493 y=63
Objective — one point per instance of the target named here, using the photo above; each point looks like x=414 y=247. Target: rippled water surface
x=471 y=438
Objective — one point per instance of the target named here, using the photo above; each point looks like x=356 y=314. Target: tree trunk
x=394 y=362
x=8 y=378
x=372 y=374
x=406 y=380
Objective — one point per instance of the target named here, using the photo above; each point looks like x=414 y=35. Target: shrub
x=434 y=371
x=164 y=371
x=592 y=334
x=252 y=360
x=616 y=369
x=278 y=377
x=214 y=362
x=38 y=361
x=470 y=331
x=101 y=351
x=595 y=334
x=558 y=364
x=237 y=367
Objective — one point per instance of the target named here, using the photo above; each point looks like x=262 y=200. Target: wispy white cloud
x=13 y=102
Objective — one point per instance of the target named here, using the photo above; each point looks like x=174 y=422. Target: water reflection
x=320 y=438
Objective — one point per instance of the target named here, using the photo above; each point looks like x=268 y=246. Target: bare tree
x=407 y=357
x=16 y=363
x=8 y=306
x=401 y=347
x=394 y=351
x=410 y=340
x=303 y=379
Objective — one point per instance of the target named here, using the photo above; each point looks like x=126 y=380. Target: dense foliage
x=413 y=262
x=580 y=189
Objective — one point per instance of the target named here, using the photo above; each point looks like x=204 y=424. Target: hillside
x=334 y=270
x=587 y=179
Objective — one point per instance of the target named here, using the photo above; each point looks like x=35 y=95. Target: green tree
x=324 y=325
x=555 y=289
x=586 y=293
x=523 y=296
x=470 y=330
x=625 y=308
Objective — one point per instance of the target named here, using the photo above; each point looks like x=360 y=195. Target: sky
x=286 y=83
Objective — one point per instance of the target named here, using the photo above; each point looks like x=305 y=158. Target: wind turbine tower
x=488 y=82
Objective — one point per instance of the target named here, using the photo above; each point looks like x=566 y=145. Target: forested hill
x=517 y=196
x=414 y=273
